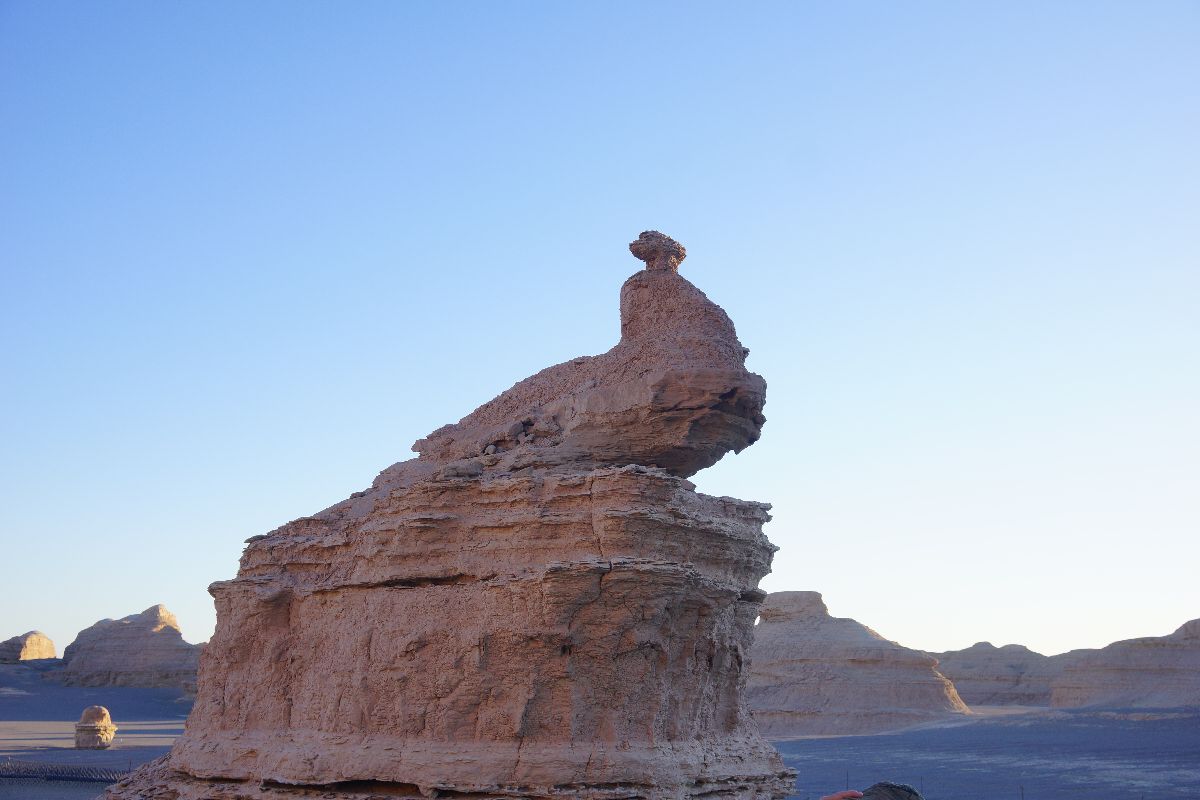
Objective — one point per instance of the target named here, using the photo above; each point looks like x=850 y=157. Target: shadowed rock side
x=29 y=646
x=538 y=605
x=987 y=675
x=1149 y=672
x=813 y=674
x=145 y=649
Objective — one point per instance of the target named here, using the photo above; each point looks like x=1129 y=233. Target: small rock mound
x=95 y=729
x=813 y=674
x=145 y=649
x=26 y=647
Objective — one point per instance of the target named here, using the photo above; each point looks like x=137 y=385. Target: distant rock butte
x=998 y=676
x=539 y=605
x=1149 y=672
x=813 y=674
x=26 y=647
x=145 y=649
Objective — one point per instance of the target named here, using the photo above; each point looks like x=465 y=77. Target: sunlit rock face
x=539 y=605
x=1149 y=672
x=1012 y=675
x=814 y=674
x=145 y=649
x=29 y=646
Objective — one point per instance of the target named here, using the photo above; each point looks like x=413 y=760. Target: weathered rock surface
x=95 y=729
x=987 y=675
x=1149 y=672
x=145 y=649
x=814 y=674
x=538 y=605
x=26 y=647
x=673 y=393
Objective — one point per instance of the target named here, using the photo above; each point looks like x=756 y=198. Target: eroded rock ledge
x=539 y=605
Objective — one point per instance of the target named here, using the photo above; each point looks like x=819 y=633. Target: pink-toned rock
x=813 y=674
x=26 y=647
x=145 y=649
x=1148 y=672
x=539 y=605
x=95 y=729
x=673 y=393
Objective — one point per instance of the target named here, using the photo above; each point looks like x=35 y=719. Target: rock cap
x=95 y=715
x=659 y=251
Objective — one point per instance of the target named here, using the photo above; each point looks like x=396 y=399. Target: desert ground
x=37 y=724
x=1037 y=754
x=995 y=755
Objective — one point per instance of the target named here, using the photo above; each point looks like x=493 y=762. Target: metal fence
x=12 y=770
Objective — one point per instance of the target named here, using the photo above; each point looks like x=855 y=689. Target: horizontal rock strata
x=145 y=649
x=539 y=605
x=1148 y=672
x=988 y=675
x=813 y=674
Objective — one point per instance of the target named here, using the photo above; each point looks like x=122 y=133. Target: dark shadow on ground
x=1052 y=755
x=30 y=693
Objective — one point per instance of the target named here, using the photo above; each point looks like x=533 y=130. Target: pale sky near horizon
x=251 y=252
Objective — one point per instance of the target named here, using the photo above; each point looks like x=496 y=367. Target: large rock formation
x=538 y=605
x=145 y=649
x=987 y=675
x=1150 y=672
x=816 y=674
x=26 y=647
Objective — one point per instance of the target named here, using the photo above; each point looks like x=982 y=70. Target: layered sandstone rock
x=538 y=605
x=816 y=674
x=145 y=649
x=1149 y=672
x=26 y=647
x=95 y=729
x=999 y=676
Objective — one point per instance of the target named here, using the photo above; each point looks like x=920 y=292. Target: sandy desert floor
x=1038 y=755
x=997 y=755
x=37 y=723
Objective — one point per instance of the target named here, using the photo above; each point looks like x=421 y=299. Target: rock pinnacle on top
x=658 y=250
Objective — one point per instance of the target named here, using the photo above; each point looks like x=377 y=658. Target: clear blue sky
x=252 y=251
